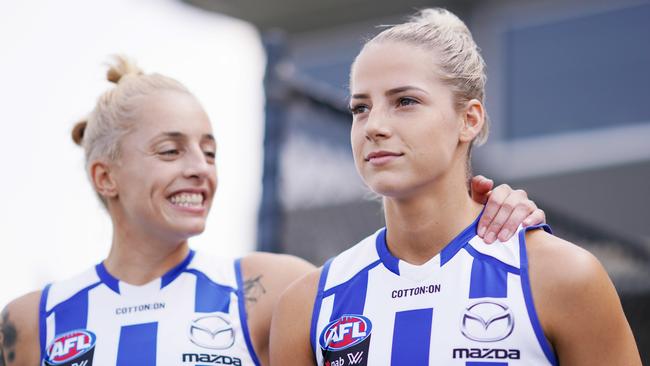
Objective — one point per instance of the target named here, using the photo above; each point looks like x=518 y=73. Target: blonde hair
x=459 y=60
x=113 y=116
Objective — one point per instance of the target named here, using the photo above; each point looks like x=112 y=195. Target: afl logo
x=71 y=346
x=345 y=332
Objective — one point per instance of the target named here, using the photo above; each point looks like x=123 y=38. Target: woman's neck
x=420 y=226
x=137 y=258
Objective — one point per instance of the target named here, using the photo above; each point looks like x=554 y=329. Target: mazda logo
x=212 y=331
x=487 y=321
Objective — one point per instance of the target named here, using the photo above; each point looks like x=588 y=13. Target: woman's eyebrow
x=403 y=89
x=390 y=92
x=174 y=135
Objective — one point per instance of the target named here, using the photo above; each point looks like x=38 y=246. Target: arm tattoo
x=253 y=289
x=8 y=335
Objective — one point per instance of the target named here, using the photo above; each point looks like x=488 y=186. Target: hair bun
x=78 y=132
x=440 y=17
x=120 y=67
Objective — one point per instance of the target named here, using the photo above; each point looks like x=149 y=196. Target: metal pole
x=271 y=215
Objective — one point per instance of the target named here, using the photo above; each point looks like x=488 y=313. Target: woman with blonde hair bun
x=150 y=156
x=427 y=289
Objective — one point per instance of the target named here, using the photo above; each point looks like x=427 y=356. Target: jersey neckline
x=114 y=284
x=393 y=263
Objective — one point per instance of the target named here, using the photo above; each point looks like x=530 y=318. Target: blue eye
x=406 y=101
x=170 y=152
x=357 y=109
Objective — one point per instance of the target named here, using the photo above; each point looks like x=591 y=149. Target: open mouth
x=188 y=199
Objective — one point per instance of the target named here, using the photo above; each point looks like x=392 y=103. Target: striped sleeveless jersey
x=192 y=315
x=470 y=305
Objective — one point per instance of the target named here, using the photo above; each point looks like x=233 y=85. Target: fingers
x=496 y=199
x=505 y=210
x=480 y=188
x=538 y=216
x=496 y=227
x=520 y=212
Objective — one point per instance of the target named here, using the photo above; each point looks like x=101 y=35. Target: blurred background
x=568 y=94
x=53 y=70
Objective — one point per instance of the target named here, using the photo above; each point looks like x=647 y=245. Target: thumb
x=480 y=188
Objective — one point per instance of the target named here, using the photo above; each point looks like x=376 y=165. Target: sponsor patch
x=487 y=321
x=212 y=331
x=211 y=358
x=346 y=340
x=488 y=353
x=74 y=348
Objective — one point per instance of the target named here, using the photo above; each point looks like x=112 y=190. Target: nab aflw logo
x=74 y=348
x=355 y=358
x=345 y=332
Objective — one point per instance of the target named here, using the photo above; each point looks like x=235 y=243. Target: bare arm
x=19 y=343
x=290 y=338
x=266 y=276
x=577 y=304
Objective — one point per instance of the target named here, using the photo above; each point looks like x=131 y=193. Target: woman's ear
x=103 y=179
x=473 y=117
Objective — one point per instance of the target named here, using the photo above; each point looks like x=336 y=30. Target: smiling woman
x=150 y=156
x=174 y=139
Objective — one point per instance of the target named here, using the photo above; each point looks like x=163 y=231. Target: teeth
x=187 y=199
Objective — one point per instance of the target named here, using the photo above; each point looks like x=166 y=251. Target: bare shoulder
x=303 y=291
x=563 y=264
x=577 y=304
x=297 y=302
x=265 y=277
x=563 y=276
x=283 y=265
x=295 y=307
x=19 y=341
x=290 y=331
x=270 y=274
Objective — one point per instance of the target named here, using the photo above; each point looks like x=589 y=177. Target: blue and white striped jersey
x=192 y=315
x=470 y=305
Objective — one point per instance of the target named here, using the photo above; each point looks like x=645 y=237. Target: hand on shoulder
x=19 y=334
x=577 y=304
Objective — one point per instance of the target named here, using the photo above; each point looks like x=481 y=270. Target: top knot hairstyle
x=113 y=115
x=457 y=57
x=122 y=67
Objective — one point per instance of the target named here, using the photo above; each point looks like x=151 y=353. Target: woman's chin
x=198 y=230
x=389 y=190
x=185 y=231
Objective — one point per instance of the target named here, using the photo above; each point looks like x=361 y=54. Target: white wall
x=52 y=72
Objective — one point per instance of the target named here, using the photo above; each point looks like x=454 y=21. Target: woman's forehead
x=388 y=65
x=172 y=112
